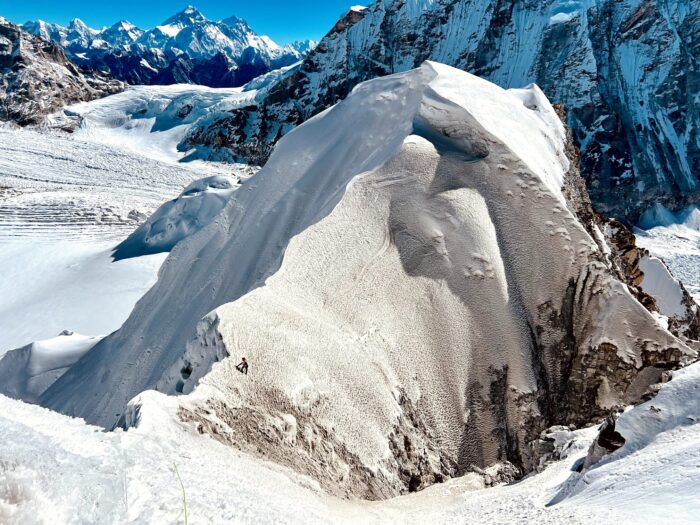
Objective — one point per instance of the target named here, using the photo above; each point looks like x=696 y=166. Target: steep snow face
x=186 y=48
x=37 y=79
x=626 y=71
x=414 y=293
x=660 y=284
x=675 y=238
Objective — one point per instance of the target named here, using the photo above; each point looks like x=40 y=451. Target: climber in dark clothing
x=242 y=367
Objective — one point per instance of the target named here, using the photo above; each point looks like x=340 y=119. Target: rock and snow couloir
x=415 y=296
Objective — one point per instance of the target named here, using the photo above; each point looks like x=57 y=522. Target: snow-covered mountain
x=185 y=48
x=37 y=79
x=417 y=299
x=625 y=69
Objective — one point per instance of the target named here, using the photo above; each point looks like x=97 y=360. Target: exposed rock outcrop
x=37 y=79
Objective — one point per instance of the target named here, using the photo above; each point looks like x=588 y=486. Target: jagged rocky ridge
x=185 y=48
x=417 y=299
x=627 y=71
x=37 y=79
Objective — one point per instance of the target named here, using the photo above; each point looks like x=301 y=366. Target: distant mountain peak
x=77 y=23
x=124 y=24
x=158 y=55
x=189 y=15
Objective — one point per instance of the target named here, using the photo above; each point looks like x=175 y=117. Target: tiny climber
x=242 y=367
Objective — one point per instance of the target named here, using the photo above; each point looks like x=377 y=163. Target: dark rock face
x=37 y=79
x=627 y=71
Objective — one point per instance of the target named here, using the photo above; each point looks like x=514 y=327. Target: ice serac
x=196 y=207
x=37 y=79
x=627 y=72
x=412 y=291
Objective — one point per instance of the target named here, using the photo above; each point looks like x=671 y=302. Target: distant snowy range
x=185 y=48
x=457 y=243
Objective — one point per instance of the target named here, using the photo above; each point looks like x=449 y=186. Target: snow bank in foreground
x=656 y=471
x=196 y=207
x=54 y=469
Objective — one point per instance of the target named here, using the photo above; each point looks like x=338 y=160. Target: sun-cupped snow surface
x=291 y=193
x=152 y=120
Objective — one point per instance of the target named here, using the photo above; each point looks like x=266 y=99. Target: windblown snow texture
x=627 y=72
x=415 y=293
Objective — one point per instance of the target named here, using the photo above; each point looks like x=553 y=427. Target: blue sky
x=283 y=20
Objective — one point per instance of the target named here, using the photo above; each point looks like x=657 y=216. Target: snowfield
x=64 y=205
x=151 y=121
x=57 y=469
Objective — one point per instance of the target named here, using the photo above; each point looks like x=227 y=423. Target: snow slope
x=427 y=234
x=657 y=468
x=54 y=468
x=28 y=371
x=675 y=238
x=55 y=284
x=66 y=201
x=64 y=205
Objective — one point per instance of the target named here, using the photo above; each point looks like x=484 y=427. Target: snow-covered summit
x=415 y=294
x=623 y=69
x=188 y=16
x=155 y=56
